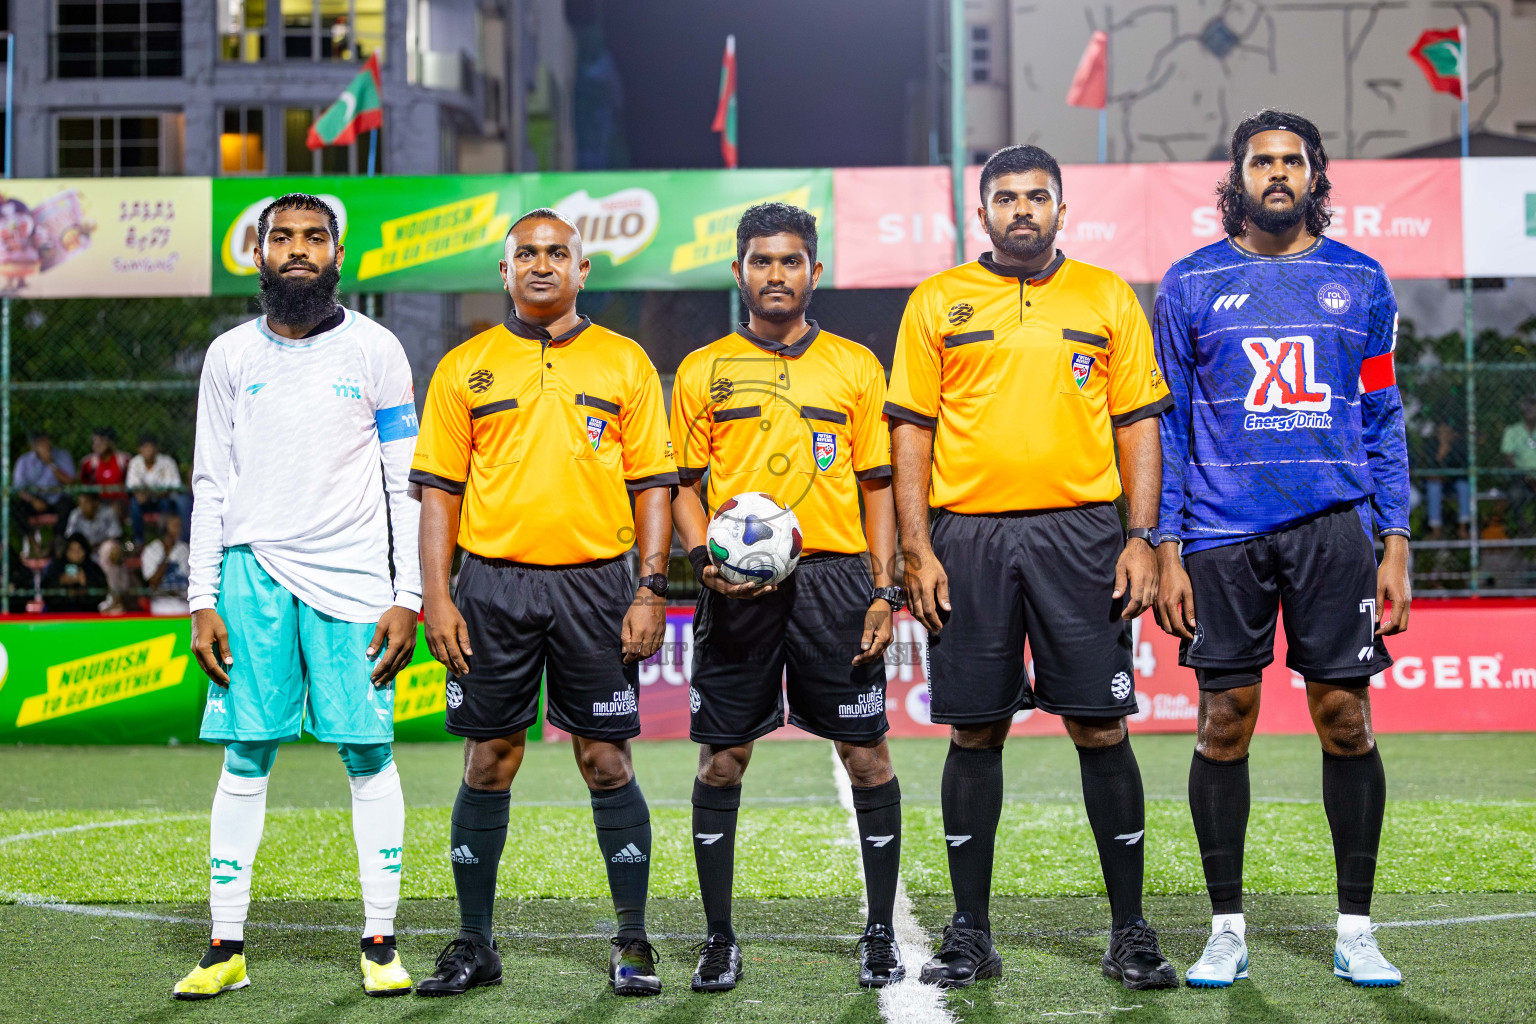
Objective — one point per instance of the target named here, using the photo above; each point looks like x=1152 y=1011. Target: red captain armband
x=1377 y=373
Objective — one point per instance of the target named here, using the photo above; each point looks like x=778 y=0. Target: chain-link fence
x=90 y=379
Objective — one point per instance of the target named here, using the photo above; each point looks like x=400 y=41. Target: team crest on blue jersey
x=595 y=428
x=1082 y=366
x=1333 y=297
x=824 y=447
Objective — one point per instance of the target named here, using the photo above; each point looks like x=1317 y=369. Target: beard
x=1272 y=221
x=1027 y=248
x=302 y=301
x=777 y=316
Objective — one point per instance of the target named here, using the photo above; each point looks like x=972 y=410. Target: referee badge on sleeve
x=595 y=428
x=1082 y=366
x=824 y=447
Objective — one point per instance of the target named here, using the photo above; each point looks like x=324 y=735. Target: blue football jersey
x=1284 y=399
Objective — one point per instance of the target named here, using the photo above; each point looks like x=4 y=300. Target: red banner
x=1463 y=666
x=894 y=225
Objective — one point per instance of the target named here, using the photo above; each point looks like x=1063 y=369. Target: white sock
x=378 y=825
x=1233 y=922
x=234 y=833
x=1353 y=924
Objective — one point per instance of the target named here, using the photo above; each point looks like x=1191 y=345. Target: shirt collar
x=336 y=319
x=1250 y=254
x=1012 y=273
x=533 y=332
x=788 y=351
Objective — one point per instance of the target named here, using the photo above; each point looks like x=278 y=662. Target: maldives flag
x=725 y=109
x=359 y=109
x=1091 y=80
x=1440 y=52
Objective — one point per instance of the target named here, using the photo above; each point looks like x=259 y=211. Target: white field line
x=908 y=1001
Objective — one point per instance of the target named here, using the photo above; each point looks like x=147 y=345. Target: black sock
x=379 y=948
x=972 y=798
x=878 y=809
x=476 y=836
x=1218 y=801
x=1117 y=811
x=624 y=835
x=1355 y=797
x=714 y=851
x=220 y=950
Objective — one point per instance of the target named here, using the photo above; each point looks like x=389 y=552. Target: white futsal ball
x=754 y=539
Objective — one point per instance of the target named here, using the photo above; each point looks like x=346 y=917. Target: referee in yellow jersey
x=1015 y=378
x=538 y=434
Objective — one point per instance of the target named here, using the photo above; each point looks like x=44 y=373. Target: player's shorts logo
x=480 y=381
x=1333 y=297
x=959 y=313
x=595 y=428
x=1199 y=638
x=1120 y=686
x=1082 y=366
x=455 y=694
x=1284 y=376
x=824 y=447
x=720 y=389
x=695 y=699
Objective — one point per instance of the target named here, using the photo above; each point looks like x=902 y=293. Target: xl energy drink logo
x=239 y=246
x=621 y=224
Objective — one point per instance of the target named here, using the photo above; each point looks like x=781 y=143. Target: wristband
x=699 y=557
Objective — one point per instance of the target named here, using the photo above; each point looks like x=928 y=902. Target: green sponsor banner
x=133 y=680
x=432 y=234
x=642 y=230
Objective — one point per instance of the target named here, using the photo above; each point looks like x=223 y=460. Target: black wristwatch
x=890 y=595
x=656 y=583
x=1142 y=533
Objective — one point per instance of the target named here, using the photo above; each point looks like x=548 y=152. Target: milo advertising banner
x=641 y=229
x=134 y=680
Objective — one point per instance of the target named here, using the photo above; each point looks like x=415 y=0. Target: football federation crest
x=480 y=381
x=1333 y=297
x=720 y=389
x=595 y=428
x=824 y=447
x=959 y=313
x=1082 y=366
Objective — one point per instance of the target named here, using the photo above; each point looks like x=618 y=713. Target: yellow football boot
x=386 y=979
x=207 y=982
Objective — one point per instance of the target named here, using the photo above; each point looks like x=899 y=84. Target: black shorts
x=1319 y=574
x=806 y=632
x=1046 y=576
x=525 y=620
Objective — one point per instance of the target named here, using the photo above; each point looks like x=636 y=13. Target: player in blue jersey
x=1283 y=456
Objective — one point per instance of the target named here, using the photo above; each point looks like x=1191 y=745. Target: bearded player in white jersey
x=305 y=429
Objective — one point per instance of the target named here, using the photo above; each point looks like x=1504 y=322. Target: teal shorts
x=295 y=668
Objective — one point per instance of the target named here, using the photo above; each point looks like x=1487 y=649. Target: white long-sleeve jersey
x=303 y=452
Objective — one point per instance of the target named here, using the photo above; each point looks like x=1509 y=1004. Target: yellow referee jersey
x=545 y=436
x=1022 y=381
x=800 y=421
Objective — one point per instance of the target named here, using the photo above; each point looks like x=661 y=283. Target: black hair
x=148 y=438
x=106 y=432
x=1018 y=160
x=296 y=201
x=766 y=219
x=1230 y=194
x=38 y=435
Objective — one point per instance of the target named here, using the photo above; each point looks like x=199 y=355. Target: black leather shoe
x=462 y=965
x=719 y=965
x=632 y=968
x=879 y=958
x=966 y=956
x=1135 y=960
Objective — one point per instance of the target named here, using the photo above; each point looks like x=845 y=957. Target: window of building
x=298 y=158
x=981 y=54
x=117 y=39
x=243 y=30
x=242 y=142
x=332 y=29
x=119 y=146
